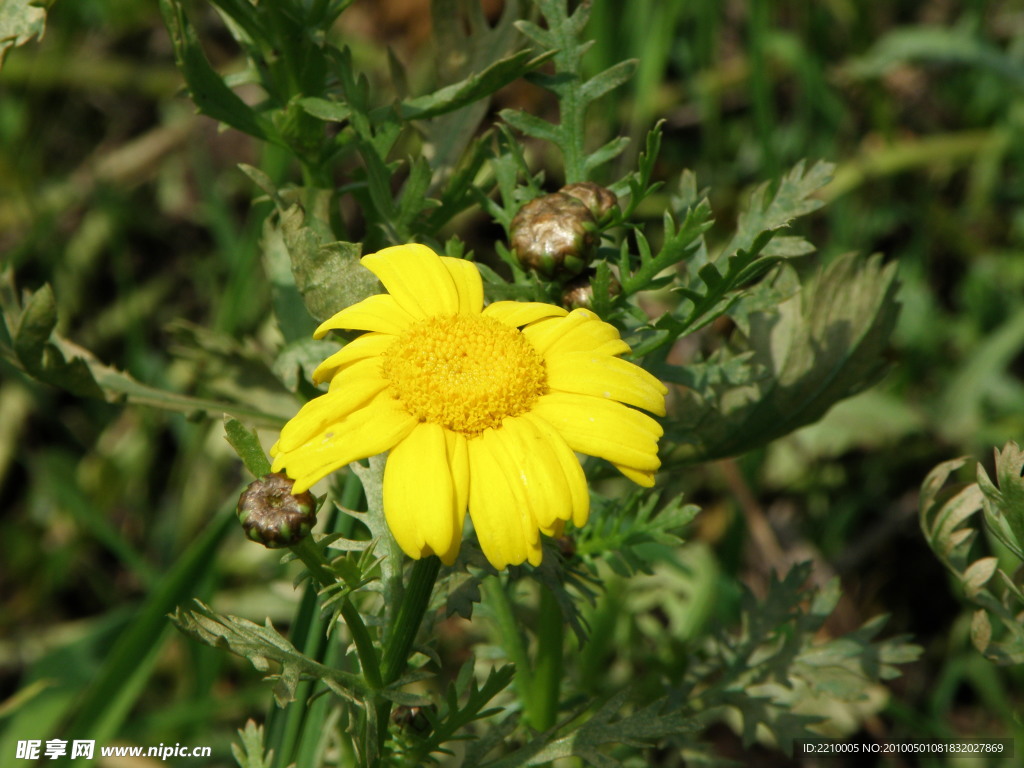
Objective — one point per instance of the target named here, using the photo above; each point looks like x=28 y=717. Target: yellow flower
x=480 y=408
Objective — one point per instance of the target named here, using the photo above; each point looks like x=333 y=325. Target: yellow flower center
x=464 y=372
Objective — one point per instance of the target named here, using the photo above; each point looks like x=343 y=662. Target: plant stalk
x=311 y=555
x=548 y=669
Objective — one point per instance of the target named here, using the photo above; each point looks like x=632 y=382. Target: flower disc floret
x=466 y=373
x=480 y=409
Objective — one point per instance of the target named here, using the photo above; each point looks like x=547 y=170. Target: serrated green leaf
x=451 y=718
x=950 y=527
x=679 y=245
x=328 y=275
x=293 y=320
x=792 y=198
x=611 y=724
x=250 y=753
x=262 y=645
x=821 y=346
x=64 y=364
x=210 y=93
x=463 y=596
x=477 y=86
x=20 y=22
x=1004 y=506
x=247 y=446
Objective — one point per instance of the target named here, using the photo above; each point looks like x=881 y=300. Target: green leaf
x=62 y=363
x=262 y=645
x=824 y=344
x=622 y=530
x=247 y=446
x=413 y=198
x=1004 y=506
x=32 y=336
x=250 y=753
x=677 y=246
x=531 y=125
x=779 y=675
x=602 y=155
x=20 y=22
x=466 y=43
x=328 y=275
x=475 y=87
x=297 y=361
x=609 y=80
x=452 y=717
x=939 y=45
x=608 y=726
x=792 y=199
x=322 y=109
x=950 y=525
x=293 y=320
x=210 y=93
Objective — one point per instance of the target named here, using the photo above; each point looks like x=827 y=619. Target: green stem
x=404 y=627
x=312 y=556
x=510 y=638
x=410 y=615
x=548 y=669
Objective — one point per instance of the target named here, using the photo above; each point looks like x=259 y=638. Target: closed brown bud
x=580 y=293
x=554 y=235
x=274 y=517
x=599 y=200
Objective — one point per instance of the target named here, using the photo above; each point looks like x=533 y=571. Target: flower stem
x=548 y=669
x=310 y=554
x=404 y=627
x=410 y=615
x=510 y=638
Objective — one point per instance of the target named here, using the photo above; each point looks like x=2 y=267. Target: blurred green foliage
x=133 y=208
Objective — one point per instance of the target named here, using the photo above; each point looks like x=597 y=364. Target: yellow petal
x=533 y=467
x=580 y=331
x=317 y=416
x=458 y=460
x=415 y=276
x=468 y=284
x=498 y=510
x=365 y=346
x=519 y=313
x=575 y=479
x=603 y=428
x=379 y=312
x=376 y=428
x=419 y=495
x=362 y=373
x=644 y=479
x=587 y=373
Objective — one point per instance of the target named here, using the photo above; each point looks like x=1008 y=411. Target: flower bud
x=599 y=201
x=554 y=234
x=413 y=718
x=272 y=516
x=580 y=293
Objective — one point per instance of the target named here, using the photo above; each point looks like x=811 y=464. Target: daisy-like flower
x=480 y=407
